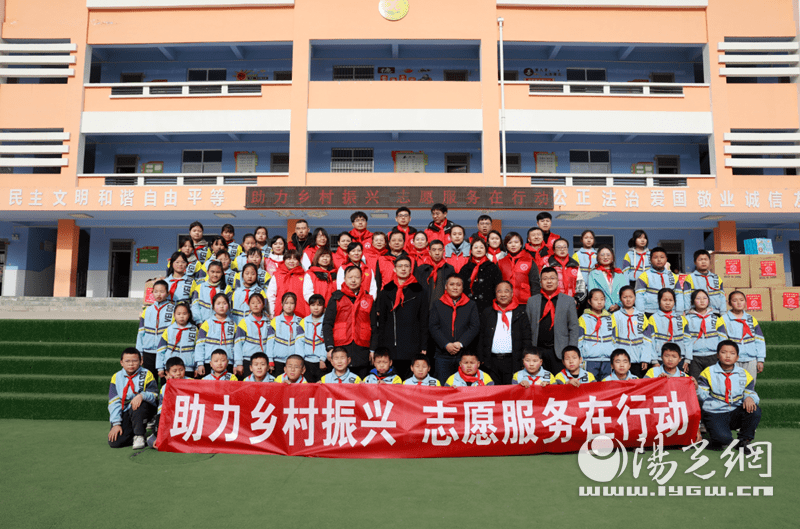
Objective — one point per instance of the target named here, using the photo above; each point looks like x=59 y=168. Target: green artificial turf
x=96 y=331
x=780 y=332
x=60 y=474
x=63 y=349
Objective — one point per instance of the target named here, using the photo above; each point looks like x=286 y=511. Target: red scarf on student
x=447 y=300
x=703 y=330
x=400 y=297
x=608 y=271
x=493 y=251
x=640 y=261
x=436 y=267
x=471 y=379
x=745 y=328
x=510 y=307
x=549 y=308
x=669 y=318
x=474 y=273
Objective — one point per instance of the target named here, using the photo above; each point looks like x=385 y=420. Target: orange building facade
x=121 y=121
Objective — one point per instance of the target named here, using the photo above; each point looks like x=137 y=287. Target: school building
x=121 y=121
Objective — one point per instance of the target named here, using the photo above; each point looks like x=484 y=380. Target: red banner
x=395 y=421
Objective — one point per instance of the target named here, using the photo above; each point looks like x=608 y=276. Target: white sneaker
x=138 y=442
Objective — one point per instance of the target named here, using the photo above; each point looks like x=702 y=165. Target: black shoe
x=744 y=445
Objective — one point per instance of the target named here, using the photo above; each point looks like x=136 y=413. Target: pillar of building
x=725 y=236
x=66 y=258
x=290 y=223
x=497 y=224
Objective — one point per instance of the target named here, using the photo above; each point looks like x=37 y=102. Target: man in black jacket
x=505 y=332
x=454 y=325
x=403 y=317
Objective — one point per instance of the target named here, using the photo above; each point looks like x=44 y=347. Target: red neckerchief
x=705 y=276
x=470 y=379
x=314 y=339
x=382 y=251
x=158 y=312
x=436 y=268
x=447 y=300
x=259 y=324
x=128 y=384
x=640 y=261
x=702 y=331
x=598 y=324
x=195 y=250
x=561 y=262
x=174 y=287
x=530 y=248
x=213 y=293
x=482 y=236
x=417 y=255
x=439 y=228
x=247 y=294
x=591 y=256
x=362 y=292
x=631 y=328
x=217 y=378
x=360 y=236
x=178 y=338
x=661 y=275
x=286 y=271
x=400 y=297
x=609 y=272
x=745 y=328
x=323 y=274
x=514 y=258
x=727 y=387
x=549 y=308
x=222 y=338
x=406 y=230
x=510 y=307
x=474 y=273
x=669 y=318
x=493 y=251
x=533 y=379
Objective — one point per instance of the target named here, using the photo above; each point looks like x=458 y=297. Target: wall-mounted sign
x=147 y=255
x=153 y=167
x=409 y=162
x=246 y=162
x=385 y=69
x=539 y=198
x=393 y=9
x=546 y=162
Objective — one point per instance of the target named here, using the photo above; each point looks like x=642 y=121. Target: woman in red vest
x=519 y=269
x=570 y=278
x=350 y=319
x=321 y=276
x=419 y=250
x=378 y=249
x=321 y=240
x=340 y=256
x=355 y=257
x=289 y=278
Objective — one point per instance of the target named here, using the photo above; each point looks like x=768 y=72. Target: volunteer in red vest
x=570 y=278
x=403 y=218
x=403 y=317
x=545 y=221
x=300 y=239
x=349 y=322
x=360 y=233
x=340 y=256
x=419 y=250
x=379 y=248
x=289 y=277
x=397 y=242
x=320 y=277
x=321 y=240
x=454 y=326
x=355 y=257
x=440 y=227
x=537 y=248
x=519 y=269
x=505 y=333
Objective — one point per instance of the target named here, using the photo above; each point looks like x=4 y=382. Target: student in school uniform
x=196 y=231
x=285 y=333
x=744 y=330
x=703 y=279
x=637 y=259
x=178 y=280
x=262 y=241
x=665 y=325
x=178 y=340
x=248 y=242
x=629 y=329
x=252 y=333
x=586 y=255
x=240 y=298
x=704 y=330
x=228 y=233
x=653 y=280
x=218 y=333
x=153 y=321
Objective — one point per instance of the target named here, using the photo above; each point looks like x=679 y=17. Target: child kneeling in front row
x=341 y=374
x=132 y=397
x=534 y=373
x=573 y=373
x=727 y=395
x=421 y=368
x=219 y=367
x=259 y=369
x=175 y=369
x=383 y=372
x=468 y=373
x=293 y=371
x=620 y=366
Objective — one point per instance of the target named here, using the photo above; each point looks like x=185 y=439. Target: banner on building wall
x=397 y=421
x=394 y=197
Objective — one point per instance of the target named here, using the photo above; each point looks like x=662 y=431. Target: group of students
x=403 y=306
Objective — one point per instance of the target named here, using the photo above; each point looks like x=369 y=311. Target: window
x=279 y=162
x=131 y=78
x=352 y=161
x=509 y=75
x=202 y=162
x=203 y=74
x=353 y=73
x=456 y=162
x=126 y=163
x=662 y=77
x=283 y=75
x=586 y=74
x=513 y=163
x=456 y=75
x=589 y=162
x=668 y=165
